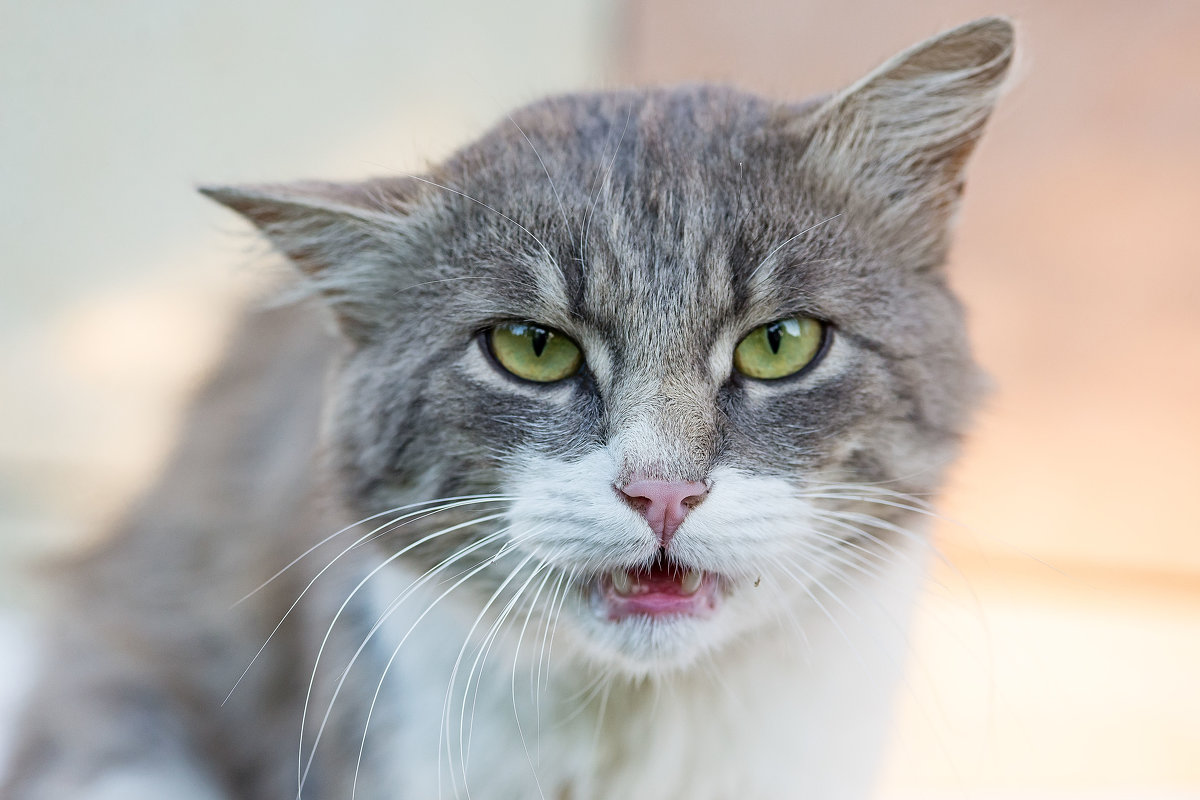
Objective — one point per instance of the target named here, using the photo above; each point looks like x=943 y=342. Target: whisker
x=812 y=580
x=560 y=588
x=557 y=616
x=842 y=521
x=332 y=536
x=302 y=771
x=841 y=552
x=586 y=695
x=412 y=589
x=508 y=548
x=879 y=486
x=562 y=209
x=785 y=242
x=513 y=676
x=480 y=658
x=480 y=661
x=932 y=548
x=781 y=608
x=846 y=518
x=498 y=213
x=607 y=172
x=398 y=522
x=859 y=498
x=458 y=661
x=805 y=586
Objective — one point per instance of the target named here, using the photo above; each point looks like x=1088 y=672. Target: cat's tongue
x=659 y=590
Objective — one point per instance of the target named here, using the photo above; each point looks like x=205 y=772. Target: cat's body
x=649 y=574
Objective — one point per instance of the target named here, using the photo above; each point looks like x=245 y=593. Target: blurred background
x=1059 y=657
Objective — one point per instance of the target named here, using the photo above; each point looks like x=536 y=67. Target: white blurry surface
x=1022 y=675
x=17 y=664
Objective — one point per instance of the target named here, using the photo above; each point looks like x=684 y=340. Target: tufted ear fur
x=892 y=146
x=351 y=241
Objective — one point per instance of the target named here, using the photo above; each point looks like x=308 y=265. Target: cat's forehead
x=665 y=157
x=660 y=205
x=626 y=132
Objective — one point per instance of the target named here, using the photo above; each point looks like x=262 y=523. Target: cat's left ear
x=892 y=147
x=350 y=241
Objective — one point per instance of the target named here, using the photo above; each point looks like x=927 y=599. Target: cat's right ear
x=349 y=240
x=891 y=148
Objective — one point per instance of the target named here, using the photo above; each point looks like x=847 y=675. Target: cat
x=593 y=464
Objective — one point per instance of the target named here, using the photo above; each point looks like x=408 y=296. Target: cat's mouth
x=664 y=588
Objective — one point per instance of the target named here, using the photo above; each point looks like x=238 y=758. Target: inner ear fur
x=892 y=146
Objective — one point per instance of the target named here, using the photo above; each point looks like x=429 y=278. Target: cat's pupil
x=540 y=337
x=774 y=337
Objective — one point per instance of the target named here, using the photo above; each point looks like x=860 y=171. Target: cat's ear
x=349 y=240
x=894 y=144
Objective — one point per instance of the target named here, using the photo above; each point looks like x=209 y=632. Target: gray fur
x=654 y=227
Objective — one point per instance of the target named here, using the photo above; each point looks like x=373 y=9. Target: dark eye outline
x=485 y=342
x=822 y=348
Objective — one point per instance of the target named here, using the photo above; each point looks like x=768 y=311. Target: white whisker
x=480 y=661
x=607 y=175
x=398 y=522
x=498 y=213
x=332 y=536
x=551 y=619
x=561 y=208
x=807 y=585
x=302 y=770
x=508 y=548
x=785 y=242
x=513 y=673
x=457 y=665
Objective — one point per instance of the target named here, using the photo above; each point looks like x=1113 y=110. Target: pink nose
x=664 y=504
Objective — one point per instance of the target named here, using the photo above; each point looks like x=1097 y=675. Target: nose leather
x=664 y=504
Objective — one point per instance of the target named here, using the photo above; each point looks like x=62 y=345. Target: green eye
x=779 y=349
x=534 y=353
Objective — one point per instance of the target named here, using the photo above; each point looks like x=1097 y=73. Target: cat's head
x=701 y=343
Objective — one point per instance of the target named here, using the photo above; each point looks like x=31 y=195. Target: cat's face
x=698 y=342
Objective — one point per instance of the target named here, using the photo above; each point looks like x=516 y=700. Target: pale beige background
x=1059 y=659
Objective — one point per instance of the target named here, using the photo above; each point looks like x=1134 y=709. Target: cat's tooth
x=621 y=581
x=691 y=581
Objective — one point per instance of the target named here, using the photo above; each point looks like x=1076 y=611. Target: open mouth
x=664 y=588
